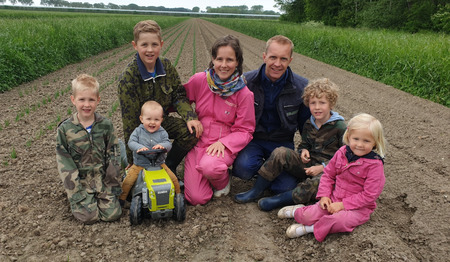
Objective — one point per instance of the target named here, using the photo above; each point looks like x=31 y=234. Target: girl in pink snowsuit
x=351 y=183
x=225 y=107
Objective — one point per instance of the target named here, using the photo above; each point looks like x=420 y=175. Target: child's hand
x=197 y=125
x=305 y=156
x=325 y=202
x=216 y=148
x=335 y=207
x=314 y=170
x=158 y=147
x=142 y=149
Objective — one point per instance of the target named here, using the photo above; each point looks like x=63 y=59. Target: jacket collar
x=146 y=76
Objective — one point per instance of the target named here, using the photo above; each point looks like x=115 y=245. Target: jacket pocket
x=291 y=113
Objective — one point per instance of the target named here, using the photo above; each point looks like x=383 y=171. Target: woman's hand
x=197 y=125
x=216 y=148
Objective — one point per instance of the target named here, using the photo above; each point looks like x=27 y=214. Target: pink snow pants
x=326 y=223
x=202 y=173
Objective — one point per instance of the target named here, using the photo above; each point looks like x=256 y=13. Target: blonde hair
x=362 y=121
x=152 y=105
x=84 y=82
x=321 y=87
x=146 y=26
x=280 y=39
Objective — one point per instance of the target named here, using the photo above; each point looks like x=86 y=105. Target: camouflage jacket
x=80 y=154
x=322 y=143
x=136 y=87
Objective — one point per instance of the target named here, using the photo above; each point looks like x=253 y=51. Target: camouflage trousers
x=286 y=159
x=96 y=202
x=178 y=131
x=305 y=192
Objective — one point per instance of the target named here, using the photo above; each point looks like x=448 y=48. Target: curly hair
x=321 y=87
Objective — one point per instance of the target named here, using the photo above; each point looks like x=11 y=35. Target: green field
x=415 y=63
x=34 y=43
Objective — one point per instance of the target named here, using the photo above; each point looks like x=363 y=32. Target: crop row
x=101 y=64
x=415 y=63
x=33 y=44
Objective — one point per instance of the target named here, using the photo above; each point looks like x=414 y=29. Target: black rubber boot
x=174 y=157
x=255 y=193
x=280 y=200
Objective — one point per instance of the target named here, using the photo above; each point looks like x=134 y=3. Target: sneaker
x=288 y=211
x=296 y=230
x=225 y=191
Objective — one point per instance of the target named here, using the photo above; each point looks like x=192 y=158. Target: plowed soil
x=411 y=222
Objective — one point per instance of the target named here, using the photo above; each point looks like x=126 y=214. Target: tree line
x=242 y=9
x=408 y=15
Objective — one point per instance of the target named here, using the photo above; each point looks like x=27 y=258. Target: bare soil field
x=411 y=222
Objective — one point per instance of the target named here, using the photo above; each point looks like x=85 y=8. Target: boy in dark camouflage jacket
x=88 y=157
x=321 y=138
x=150 y=77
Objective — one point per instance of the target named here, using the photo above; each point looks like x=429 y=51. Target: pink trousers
x=202 y=173
x=326 y=223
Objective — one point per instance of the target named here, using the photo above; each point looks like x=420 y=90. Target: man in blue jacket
x=279 y=111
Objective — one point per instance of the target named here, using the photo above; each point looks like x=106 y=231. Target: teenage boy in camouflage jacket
x=150 y=77
x=88 y=157
x=321 y=138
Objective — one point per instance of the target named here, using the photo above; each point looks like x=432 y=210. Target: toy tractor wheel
x=136 y=210
x=179 y=213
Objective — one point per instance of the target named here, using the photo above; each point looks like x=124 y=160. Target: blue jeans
x=252 y=157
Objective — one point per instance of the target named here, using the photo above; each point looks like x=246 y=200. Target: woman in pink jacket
x=225 y=107
x=351 y=183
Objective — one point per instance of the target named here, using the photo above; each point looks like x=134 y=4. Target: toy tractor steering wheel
x=152 y=154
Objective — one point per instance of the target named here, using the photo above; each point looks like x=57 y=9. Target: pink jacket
x=357 y=184
x=230 y=120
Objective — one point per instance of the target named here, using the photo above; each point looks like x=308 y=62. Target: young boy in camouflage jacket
x=321 y=138
x=150 y=77
x=88 y=157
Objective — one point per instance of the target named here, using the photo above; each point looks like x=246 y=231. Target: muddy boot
x=280 y=200
x=255 y=193
x=174 y=157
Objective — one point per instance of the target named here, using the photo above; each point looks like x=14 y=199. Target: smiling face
x=148 y=47
x=361 y=141
x=320 y=109
x=225 y=62
x=277 y=59
x=151 y=118
x=85 y=101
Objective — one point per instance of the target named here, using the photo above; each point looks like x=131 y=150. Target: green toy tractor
x=153 y=194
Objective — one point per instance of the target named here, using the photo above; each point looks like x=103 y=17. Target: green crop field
x=34 y=43
x=415 y=63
